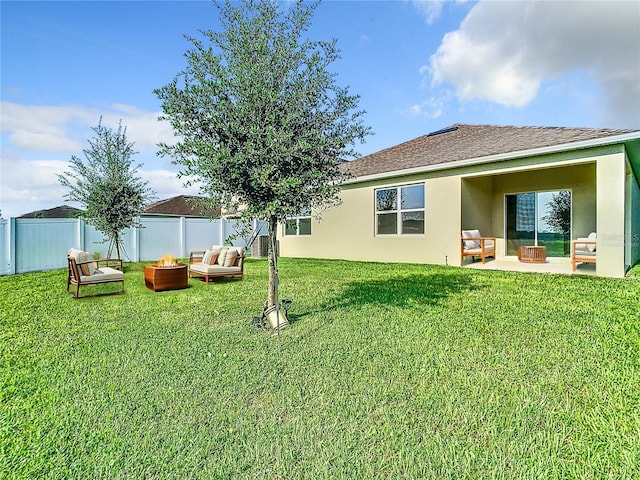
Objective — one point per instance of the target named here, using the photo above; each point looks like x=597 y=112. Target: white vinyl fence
x=28 y=245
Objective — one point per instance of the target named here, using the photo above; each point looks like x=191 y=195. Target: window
x=298 y=225
x=400 y=217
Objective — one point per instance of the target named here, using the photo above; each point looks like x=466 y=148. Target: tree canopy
x=106 y=185
x=262 y=123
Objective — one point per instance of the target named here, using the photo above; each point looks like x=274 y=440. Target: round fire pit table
x=158 y=278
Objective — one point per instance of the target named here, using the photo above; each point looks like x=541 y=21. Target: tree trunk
x=272 y=298
x=116 y=239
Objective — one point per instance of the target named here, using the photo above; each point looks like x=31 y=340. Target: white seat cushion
x=214 y=269
x=103 y=274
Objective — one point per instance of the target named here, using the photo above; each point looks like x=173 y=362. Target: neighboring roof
x=62 y=211
x=182 y=205
x=465 y=142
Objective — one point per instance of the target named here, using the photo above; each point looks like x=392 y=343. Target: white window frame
x=297 y=219
x=399 y=210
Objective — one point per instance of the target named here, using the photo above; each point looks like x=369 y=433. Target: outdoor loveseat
x=217 y=261
x=583 y=250
x=84 y=270
x=472 y=244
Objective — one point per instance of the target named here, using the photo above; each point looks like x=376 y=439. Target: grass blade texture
x=386 y=371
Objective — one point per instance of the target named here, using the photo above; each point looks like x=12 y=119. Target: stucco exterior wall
x=473 y=197
x=348 y=230
x=477 y=199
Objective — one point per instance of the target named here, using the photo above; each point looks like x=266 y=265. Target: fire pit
x=166 y=274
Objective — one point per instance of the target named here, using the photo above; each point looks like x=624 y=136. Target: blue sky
x=418 y=66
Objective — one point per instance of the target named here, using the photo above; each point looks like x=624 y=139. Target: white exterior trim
x=500 y=157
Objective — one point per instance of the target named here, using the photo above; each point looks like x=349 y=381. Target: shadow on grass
x=403 y=291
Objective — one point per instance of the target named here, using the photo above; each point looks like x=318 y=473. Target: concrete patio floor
x=557 y=266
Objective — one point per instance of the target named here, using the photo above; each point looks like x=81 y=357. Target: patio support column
x=610 y=189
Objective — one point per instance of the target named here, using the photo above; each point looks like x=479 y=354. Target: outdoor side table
x=531 y=254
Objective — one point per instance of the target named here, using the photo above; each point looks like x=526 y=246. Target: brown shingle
x=183 y=205
x=63 y=211
x=463 y=142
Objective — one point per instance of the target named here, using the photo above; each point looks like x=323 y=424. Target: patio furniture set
x=473 y=244
x=220 y=261
x=215 y=262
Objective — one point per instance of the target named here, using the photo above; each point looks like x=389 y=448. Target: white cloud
x=430 y=9
x=29 y=185
x=41 y=127
x=39 y=140
x=43 y=141
x=143 y=127
x=166 y=183
x=504 y=51
x=430 y=108
x=66 y=128
x=34 y=180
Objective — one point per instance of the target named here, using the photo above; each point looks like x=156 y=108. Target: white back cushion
x=471 y=244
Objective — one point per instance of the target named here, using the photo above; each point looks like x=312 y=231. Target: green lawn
x=387 y=371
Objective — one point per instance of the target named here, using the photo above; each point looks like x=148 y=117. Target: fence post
x=135 y=240
x=183 y=237
x=81 y=235
x=11 y=243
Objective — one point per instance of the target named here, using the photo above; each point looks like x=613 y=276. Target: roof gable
x=182 y=205
x=62 y=211
x=464 y=142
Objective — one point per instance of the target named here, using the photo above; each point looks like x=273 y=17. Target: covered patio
x=551 y=267
x=541 y=205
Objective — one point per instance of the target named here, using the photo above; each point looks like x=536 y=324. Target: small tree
x=106 y=185
x=261 y=121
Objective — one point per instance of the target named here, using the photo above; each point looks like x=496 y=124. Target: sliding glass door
x=539 y=218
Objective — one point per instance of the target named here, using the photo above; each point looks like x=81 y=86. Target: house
x=62 y=211
x=409 y=203
x=182 y=206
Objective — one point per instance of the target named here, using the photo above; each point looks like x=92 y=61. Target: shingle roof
x=463 y=142
x=183 y=205
x=62 y=211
